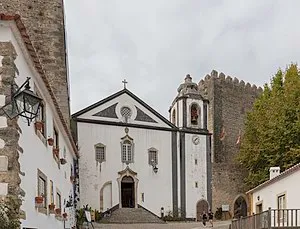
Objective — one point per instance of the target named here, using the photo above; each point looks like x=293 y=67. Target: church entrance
x=127 y=192
x=202 y=206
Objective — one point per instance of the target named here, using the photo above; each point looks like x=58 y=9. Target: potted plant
x=50 y=141
x=39 y=125
x=63 y=161
x=58 y=211
x=52 y=206
x=65 y=215
x=72 y=179
x=56 y=152
x=39 y=199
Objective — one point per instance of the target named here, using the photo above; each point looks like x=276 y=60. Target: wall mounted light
x=155 y=169
x=24 y=103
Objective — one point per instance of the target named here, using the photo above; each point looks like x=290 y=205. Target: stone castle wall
x=230 y=99
x=9 y=129
x=44 y=21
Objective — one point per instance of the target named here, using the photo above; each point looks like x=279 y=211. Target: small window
x=152 y=157
x=100 y=153
x=42 y=187
x=42 y=117
x=281 y=204
x=196 y=184
x=56 y=138
x=51 y=192
x=127 y=151
x=174 y=117
x=58 y=200
x=196 y=162
x=126 y=113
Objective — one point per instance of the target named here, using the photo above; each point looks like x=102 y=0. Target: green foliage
x=272 y=128
x=80 y=216
x=218 y=214
x=98 y=215
x=9 y=213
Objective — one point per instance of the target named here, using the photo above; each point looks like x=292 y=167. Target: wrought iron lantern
x=24 y=103
x=155 y=169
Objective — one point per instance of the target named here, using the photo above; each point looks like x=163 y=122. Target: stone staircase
x=132 y=215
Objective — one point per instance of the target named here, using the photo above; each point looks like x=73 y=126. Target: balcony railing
x=271 y=219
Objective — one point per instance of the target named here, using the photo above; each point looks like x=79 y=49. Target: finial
x=124 y=82
x=188 y=78
x=126 y=130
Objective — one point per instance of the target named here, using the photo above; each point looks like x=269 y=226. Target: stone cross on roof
x=124 y=82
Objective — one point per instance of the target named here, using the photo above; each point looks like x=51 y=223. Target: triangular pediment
x=123 y=107
x=109 y=112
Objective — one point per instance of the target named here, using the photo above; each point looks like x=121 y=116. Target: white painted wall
x=35 y=154
x=268 y=195
x=195 y=173
x=157 y=188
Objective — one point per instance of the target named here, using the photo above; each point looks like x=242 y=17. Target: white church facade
x=131 y=156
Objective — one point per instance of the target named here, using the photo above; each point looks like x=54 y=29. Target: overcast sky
x=155 y=43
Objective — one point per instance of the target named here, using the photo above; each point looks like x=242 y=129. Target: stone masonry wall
x=9 y=129
x=230 y=99
x=44 y=21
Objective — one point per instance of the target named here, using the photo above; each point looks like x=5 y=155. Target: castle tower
x=230 y=99
x=189 y=109
x=44 y=21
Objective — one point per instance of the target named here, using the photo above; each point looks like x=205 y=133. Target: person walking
x=211 y=217
x=204 y=218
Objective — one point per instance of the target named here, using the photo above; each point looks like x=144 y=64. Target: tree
x=272 y=128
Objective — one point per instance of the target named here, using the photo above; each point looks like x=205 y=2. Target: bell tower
x=189 y=109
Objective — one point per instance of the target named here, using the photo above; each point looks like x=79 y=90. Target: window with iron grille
x=126 y=113
x=127 y=154
x=100 y=153
x=42 y=117
x=42 y=187
x=152 y=157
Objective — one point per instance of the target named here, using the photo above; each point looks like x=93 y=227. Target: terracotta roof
x=282 y=175
x=39 y=68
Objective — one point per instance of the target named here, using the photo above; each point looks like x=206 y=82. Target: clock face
x=196 y=139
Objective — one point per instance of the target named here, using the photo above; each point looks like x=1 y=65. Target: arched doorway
x=127 y=192
x=202 y=206
x=240 y=207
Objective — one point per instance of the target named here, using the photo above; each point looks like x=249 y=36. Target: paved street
x=219 y=225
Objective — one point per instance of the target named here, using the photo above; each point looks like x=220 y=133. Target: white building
x=281 y=191
x=132 y=156
x=30 y=165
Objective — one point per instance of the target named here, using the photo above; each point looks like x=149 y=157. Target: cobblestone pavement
x=218 y=225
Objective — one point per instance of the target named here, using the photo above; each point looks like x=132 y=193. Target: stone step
x=132 y=215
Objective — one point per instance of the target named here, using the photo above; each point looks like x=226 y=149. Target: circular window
x=126 y=112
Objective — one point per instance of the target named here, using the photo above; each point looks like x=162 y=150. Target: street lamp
x=23 y=103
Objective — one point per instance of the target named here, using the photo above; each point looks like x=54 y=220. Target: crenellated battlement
x=228 y=80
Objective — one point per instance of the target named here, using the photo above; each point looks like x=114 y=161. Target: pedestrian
x=211 y=217
x=204 y=218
